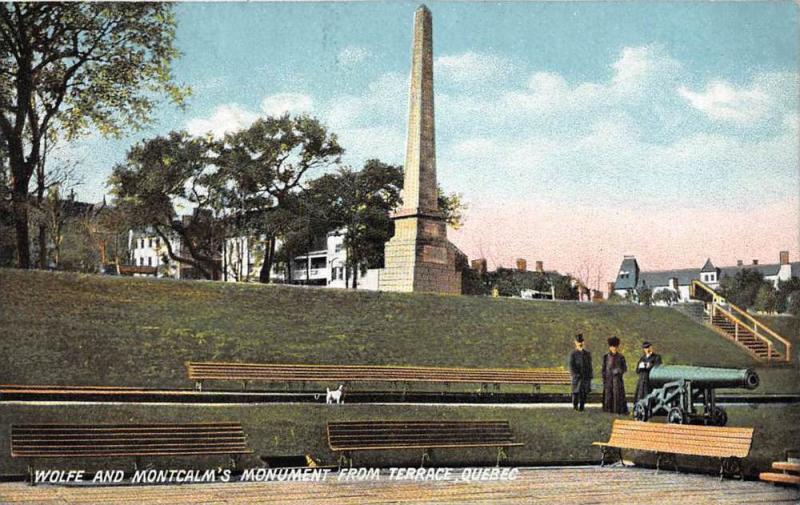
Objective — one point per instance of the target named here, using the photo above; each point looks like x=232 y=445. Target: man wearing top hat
x=648 y=360
x=580 y=368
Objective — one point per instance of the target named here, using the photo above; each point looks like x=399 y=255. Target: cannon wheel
x=640 y=412
x=676 y=415
x=718 y=416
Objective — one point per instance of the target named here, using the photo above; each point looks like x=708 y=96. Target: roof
x=685 y=276
x=708 y=267
x=766 y=270
x=628 y=274
x=661 y=278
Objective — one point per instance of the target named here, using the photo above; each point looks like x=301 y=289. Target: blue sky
x=622 y=106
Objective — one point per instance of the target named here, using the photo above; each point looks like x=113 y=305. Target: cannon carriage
x=679 y=392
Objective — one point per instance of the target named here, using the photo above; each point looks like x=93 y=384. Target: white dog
x=334 y=395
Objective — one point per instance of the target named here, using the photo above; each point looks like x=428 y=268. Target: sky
x=576 y=132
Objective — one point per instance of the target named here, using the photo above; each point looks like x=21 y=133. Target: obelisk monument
x=419 y=257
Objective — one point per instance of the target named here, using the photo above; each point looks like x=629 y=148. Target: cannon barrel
x=705 y=377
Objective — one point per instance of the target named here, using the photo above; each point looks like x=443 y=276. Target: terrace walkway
x=563 y=485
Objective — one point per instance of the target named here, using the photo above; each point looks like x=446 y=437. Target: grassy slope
x=550 y=434
x=77 y=329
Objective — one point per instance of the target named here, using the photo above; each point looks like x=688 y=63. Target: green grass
x=550 y=434
x=58 y=328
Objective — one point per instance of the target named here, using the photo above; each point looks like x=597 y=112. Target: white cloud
x=352 y=55
x=282 y=103
x=472 y=68
x=765 y=95
x=225 y=119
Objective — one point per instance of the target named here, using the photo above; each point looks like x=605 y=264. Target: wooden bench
x=729 y=445
x=246 y=372
x=34 y=441
x=347 y=437
x=789 y=470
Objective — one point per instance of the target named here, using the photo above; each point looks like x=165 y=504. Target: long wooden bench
x=729 y=445
x=346 y=437
x=34 y=441
x=246 y=372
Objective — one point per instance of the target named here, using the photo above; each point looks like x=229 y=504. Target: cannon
x=678 y=388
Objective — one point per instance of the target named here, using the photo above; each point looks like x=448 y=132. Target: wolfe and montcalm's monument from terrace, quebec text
x=419 y=257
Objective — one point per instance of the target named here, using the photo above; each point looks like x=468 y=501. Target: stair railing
x=756 y=327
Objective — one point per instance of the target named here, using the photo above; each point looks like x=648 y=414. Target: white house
x=631 y=277
x=148 y=253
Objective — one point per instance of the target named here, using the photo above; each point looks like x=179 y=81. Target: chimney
x=755 y=262
x=784 y=257
x=522 y=265
x=540 y=266
x=739 y=263
x=479 y=265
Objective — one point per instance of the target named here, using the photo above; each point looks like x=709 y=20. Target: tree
x=742 y=288
x=766 y=299
x=361 y=203
x=794 y=304
x=667 y=296
x=164 y=175
x=266 y=166
x=66 y=67
x=786 y=290
x=644 y=295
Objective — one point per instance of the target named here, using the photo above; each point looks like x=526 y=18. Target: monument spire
x=419 y=185
x=419 y=257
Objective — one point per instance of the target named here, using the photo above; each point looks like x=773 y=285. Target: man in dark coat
x=580 y=368
x=614 y=367
x=649 y=360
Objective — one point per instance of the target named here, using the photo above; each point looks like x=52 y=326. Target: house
x=630 y=277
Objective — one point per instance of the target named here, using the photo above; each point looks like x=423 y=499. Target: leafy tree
x=786 y=290
x=794 y=304
x=563 y=287
x=360 y=202
x=742 y=288
x=766 y=299
x=65 y=67
x=266 y=167
x=164 y=175
x=668 y=296
x=644 y=295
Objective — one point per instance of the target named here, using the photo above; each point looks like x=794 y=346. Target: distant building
x=149 y=256
x=630 y=277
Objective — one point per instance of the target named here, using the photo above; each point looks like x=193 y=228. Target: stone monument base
x=420 y=258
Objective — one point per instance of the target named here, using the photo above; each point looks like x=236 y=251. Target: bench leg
x=732 y=467
x=667 y=458
x=426 y=455
x=607 y=452
x=345 y=460
x=198 y=385
x=32 y=473
x=501 y=454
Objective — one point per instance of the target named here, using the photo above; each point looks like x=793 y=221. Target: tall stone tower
x=419 y=257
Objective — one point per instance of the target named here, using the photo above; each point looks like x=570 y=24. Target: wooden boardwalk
x=583 y=485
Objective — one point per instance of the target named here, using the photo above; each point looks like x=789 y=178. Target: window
x=157 y=241
x=141 y=242
x=141 y=261
x=149 y=261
